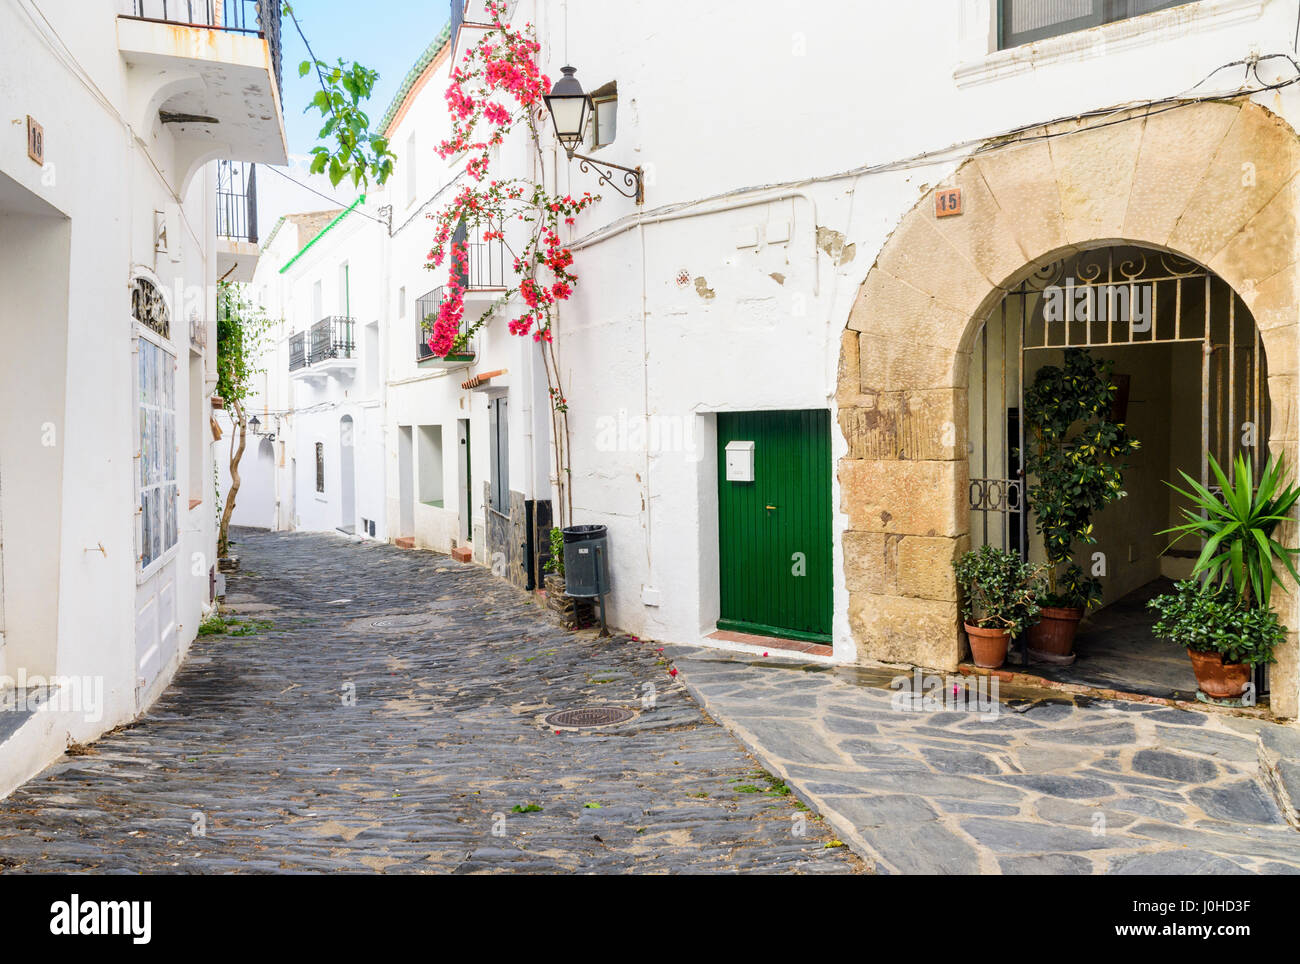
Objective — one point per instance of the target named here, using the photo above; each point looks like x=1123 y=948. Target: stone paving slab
x=254 y=742
x=1032 y=783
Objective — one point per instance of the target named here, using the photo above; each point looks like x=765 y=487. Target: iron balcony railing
x=237 y=201
x=331 y=338
x=260 y=17
x=297 y=351
x=426 y=310
x=485 y=260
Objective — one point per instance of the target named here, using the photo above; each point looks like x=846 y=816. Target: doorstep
x=772 y=643
x=1104 y=693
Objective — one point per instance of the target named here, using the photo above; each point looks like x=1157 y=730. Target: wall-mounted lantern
x=569 y=105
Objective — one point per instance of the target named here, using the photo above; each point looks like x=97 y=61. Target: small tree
x=1075 y=454
x=241 y=332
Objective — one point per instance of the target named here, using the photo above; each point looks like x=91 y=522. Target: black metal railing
x=485 y=260
x=237 y=201
x=297 y=351
x=261 y=17
x=331 y=338
x=426 y=310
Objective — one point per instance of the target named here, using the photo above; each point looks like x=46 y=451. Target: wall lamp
x=570 y=106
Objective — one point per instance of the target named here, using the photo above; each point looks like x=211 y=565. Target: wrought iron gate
x=1106 y=299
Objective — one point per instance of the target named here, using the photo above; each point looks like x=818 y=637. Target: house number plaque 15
x=947 y=202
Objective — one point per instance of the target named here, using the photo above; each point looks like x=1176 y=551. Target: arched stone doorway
x=1191 y=382
x=1209 y=182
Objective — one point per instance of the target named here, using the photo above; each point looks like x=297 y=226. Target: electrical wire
x=308 y=187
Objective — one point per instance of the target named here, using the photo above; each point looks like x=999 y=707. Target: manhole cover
x=398 y=623
x=590 y=716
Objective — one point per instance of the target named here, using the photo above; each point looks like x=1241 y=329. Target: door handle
x=769 y=507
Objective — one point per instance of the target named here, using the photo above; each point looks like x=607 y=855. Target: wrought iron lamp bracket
x=633 y=177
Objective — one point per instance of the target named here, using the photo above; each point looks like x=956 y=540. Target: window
x=320 y=467
x=1024 y=21
x=345 y=291
x=604 y=118
x=401 y=302
x=317 y=304
x=157 y=483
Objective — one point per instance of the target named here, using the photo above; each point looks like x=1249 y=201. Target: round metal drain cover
x=590 y=716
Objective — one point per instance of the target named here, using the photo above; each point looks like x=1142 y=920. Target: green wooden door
x=775 y=532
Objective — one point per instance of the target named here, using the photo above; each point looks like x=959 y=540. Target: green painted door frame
x=774 y=534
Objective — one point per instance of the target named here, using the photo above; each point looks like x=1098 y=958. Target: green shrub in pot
x=999 y=595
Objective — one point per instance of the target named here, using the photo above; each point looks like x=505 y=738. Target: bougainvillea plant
x=495 y=90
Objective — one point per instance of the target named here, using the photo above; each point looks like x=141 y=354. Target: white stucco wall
x=68 y=449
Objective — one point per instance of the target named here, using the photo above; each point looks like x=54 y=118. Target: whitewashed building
x=847 y=227
x=109 y=256
x=315 y=456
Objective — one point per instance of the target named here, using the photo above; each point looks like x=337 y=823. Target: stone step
x=404 y=542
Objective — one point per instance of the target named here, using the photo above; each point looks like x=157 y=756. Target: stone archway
x=1214 y=182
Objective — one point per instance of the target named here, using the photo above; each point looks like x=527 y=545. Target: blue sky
x=384 y=35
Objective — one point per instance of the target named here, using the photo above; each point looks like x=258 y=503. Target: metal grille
x=590 y=716
x=1158 y=316
x=1024 y=21
x=237 y=201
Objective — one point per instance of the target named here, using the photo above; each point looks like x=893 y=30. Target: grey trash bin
x=586 y=561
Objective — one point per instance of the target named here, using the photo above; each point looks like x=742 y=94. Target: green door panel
x=775 y=533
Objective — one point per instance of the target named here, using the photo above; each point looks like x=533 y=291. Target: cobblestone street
x=255 y=743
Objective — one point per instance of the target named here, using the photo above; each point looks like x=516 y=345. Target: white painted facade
x=781 y=148
x=99 y=406
x=306 y=275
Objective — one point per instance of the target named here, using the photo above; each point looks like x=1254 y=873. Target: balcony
x=326 y=348
x=484 y=275
x=426 y=310
x=237 y=250
x=208 y=71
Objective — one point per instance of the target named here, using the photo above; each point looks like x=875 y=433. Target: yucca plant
x=1240 y=551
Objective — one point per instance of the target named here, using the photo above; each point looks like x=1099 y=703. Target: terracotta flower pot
x=1217 y=679
x=988 y=647
x=1053 y=634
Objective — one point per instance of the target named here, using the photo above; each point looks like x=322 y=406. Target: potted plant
x=1075 y=458
x=1225 y=620
x=999 y=598
x=1224 y=639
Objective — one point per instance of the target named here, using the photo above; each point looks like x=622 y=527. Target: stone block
x=921 y=425
x=1030 y=200
x=1094 y=175
x=1255 y=160
x=925 y=566
x=912 y=498
x=1162 y=183
x=903 y=629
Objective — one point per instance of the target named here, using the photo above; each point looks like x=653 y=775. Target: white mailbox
x=740 y=461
